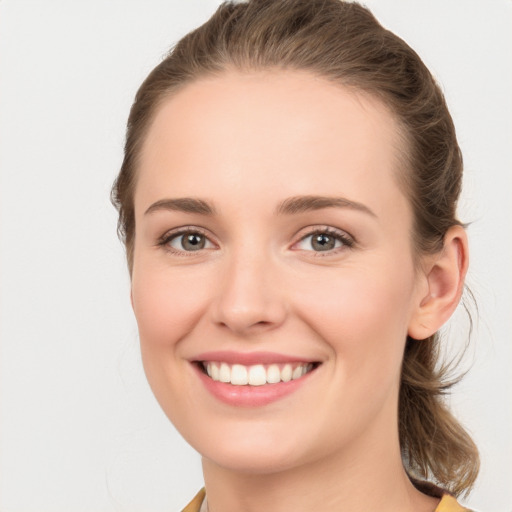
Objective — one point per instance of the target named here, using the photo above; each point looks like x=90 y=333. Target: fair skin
x=252 y=283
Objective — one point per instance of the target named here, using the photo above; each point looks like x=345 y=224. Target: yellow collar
x=447 y=504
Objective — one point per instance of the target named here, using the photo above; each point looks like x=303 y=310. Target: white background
x=80 y=429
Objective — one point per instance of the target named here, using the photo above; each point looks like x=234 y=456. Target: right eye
x=187 y=241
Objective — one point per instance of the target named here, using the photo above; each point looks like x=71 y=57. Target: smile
x=255 y=375
x=253 y=379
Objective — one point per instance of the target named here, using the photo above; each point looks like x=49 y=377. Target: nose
x=249 y=299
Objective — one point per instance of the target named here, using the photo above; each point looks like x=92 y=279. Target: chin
x=247 y=450
x=252 y=461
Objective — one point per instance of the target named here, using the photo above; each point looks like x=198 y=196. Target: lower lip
x=250 y=396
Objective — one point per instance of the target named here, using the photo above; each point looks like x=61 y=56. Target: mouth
x=253 y=379
x=256 y=374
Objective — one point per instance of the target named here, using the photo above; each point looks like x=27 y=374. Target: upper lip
x=249 y=358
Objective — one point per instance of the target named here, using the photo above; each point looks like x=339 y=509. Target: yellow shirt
x=447 y=504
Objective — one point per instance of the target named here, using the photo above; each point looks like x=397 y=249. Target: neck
x=371 y=480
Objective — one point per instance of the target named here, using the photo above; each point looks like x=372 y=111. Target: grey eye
x=189 y=242
x=320 y=241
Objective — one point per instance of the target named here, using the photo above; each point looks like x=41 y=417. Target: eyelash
x=168 y=237
x=347 y=241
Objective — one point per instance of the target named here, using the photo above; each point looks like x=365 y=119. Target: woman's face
x=273 y=243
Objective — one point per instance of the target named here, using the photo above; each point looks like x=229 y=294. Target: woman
x=288 y=204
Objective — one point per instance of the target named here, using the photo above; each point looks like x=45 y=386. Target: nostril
x=241 y=325
x=246 y=300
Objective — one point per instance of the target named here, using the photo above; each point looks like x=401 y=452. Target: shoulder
x=195 y=504
x=449 y=504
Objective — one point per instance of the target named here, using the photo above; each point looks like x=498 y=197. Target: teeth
x=214 y=371
x=239 y=375
x=297 y=373
x=286 y=373
x=256 y=375
x=224 y=373
x=273 y=374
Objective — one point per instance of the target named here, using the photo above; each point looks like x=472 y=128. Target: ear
x=444 y=274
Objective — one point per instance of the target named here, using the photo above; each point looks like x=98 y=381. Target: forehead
x=295 y=130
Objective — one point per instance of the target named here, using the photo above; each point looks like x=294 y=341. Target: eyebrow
x=183 y=204
x=300 y=204
x=290 y=206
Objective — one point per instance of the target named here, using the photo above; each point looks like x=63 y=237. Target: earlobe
x=445 y=272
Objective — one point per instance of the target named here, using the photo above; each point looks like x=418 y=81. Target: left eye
x=321 y=241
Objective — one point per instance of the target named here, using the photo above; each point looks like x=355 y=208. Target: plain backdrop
x=80 y=429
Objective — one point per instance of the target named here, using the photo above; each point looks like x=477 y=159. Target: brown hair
x=344 y=43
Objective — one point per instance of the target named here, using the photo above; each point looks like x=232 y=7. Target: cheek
x=366 y=297
x=363 y=314
x=167 y=303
